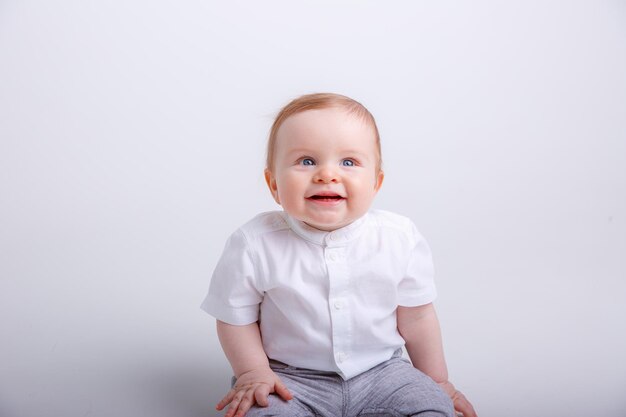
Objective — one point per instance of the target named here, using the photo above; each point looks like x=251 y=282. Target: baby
x=314 y=303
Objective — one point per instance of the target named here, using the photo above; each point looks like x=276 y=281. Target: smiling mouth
x=326 y=198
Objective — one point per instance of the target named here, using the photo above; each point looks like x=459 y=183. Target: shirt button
x=333 y=237
x=338 y=304
x=341 y=357
x=332 y=257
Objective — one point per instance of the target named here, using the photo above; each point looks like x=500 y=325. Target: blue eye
x=307 y=162
x=347 y=163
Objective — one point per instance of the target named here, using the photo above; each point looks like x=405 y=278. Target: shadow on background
x=152 y=389
x=175 y=391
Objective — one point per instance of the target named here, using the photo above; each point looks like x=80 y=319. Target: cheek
x=364 y=185
x=289 y=186
x=364 y=190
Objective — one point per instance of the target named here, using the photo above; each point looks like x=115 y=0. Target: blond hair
x=319 y=101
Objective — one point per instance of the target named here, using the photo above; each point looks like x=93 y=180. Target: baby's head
x=320 y=101
x=324 y=160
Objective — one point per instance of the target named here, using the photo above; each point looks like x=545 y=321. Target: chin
x=330 y=226
x=322 y=225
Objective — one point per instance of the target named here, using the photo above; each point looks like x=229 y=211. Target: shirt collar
x=339 y=237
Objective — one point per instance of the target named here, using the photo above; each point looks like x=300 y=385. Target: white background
x=132 y=136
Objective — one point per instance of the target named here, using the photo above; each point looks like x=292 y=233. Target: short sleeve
x=417 y=287
x=233 y=295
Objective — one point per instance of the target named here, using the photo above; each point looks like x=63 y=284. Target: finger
x=260 y=395
x=282 y=390
x=464 y=406
x=234 y=404
x=245 y=404
x=230 y=412
x=467 y=410
x=226 y=400
x=247 y=401
x=232 y=409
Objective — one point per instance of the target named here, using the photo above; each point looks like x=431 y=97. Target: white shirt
x=324 y=300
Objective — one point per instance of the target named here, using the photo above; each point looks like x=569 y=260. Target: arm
x=420 y=329
x=255 y=380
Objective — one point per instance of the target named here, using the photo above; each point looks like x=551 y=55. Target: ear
x=271 y=183
x=379 y=180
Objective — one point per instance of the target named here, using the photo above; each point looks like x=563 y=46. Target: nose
x=326 y=175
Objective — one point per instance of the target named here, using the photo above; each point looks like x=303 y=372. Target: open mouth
x=323 y=197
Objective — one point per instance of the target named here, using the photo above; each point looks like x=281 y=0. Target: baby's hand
x=461 y=405
x=252 y=387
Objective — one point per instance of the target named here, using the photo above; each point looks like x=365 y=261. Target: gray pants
x=393 y=388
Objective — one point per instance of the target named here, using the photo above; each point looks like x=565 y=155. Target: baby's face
x=325 y=168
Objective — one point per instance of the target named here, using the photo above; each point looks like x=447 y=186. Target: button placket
x=339 y=283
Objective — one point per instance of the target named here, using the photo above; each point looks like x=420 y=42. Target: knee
x=279 y=408
x=425 y=399
x=439 y=404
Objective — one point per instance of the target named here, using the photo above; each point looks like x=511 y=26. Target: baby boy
x=314 y=303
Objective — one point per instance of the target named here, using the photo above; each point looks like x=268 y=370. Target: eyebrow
x=300 y=150
x=309 y=151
